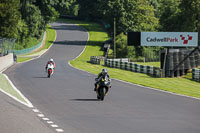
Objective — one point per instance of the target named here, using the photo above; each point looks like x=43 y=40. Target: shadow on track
x=83 y=99
x=40 y=77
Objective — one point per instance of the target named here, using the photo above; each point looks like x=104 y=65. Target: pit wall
x=6 y=61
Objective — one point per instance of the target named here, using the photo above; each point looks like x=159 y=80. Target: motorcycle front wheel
x=101 y=93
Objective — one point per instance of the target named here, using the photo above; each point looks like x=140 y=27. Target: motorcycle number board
x=169 y=39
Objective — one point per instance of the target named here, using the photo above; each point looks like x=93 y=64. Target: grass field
x=183 y=86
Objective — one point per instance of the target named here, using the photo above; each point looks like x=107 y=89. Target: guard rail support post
x=141 y=68
x=112 y=64
x=126 y=65
x=123 y=65
x=151 y=70
x=120 y=65
x=105 y=62
x=148 y=70
x=130 y=66
x=138 y=68
x=156 y=72
x=196 y=74
x=145 y=69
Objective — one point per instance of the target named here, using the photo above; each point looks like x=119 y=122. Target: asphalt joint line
x=47 y=120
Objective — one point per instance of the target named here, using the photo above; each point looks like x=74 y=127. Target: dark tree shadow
x=79 y=43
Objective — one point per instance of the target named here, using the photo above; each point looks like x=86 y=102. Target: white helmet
x=51 y=60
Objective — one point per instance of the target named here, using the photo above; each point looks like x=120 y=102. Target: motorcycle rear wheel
x=49 y=74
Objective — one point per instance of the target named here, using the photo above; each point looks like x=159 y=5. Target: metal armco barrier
x=196 y=74
x=130 y=66
x=95 y=60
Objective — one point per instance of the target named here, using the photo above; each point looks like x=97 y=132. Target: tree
x=124 y=51
x=132 y=15
x=22 y=30
x=34 y=20
x=48 y=12
x=87 y=9
x=67 y=7
x=9 y=17
x=168 y=14
x=190 y=15
x=121 y=46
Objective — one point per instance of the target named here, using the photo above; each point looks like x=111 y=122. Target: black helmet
x=104 y=71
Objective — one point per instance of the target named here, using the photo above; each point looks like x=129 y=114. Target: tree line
x=143 y=15
x=25 y=19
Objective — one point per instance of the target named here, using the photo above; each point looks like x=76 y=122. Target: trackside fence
x=130 y=66
x=29 y=50
x=196 y=74
x=125 y=64
x=96 y=59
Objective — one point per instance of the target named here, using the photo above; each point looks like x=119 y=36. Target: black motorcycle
x=102 y=86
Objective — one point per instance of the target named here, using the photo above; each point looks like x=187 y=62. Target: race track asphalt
x=69 y=100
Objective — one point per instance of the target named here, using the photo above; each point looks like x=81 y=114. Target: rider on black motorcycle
x=103 y=74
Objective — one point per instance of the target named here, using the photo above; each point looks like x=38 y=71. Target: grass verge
x=183 y=86
x=22 y=59
x=5 y=86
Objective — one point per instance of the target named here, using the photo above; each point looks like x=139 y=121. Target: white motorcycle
x=50 y=69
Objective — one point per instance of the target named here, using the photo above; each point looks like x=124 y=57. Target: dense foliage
x=142 y=15
x=27 y=19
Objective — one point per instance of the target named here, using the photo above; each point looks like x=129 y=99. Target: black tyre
x=102 y=94
x=49 y=75
x=98 y=97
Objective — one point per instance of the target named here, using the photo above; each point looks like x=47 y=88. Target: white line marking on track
x=53 y=125
x=59 y=130
x=35 y=110
x=50 y=122
x=40 y=115
x=45 y=119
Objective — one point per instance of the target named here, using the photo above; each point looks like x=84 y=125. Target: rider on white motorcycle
x=50 y=62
